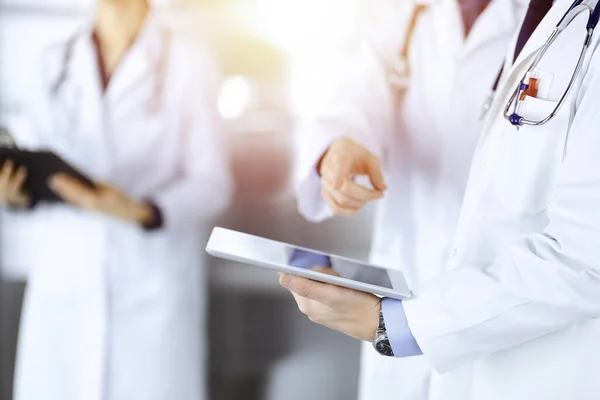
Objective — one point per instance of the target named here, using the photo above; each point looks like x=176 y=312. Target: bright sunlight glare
x=234 y=97
x=301 y=24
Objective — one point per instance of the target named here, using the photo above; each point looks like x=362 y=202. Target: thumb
x=375 y=174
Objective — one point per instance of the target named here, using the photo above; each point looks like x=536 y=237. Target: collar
x=499 y=19
x=144 y=57
x=148 y=40
x=542 y=32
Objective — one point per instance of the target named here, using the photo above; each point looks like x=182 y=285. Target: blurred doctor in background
x=114 y=303
x=408 y=115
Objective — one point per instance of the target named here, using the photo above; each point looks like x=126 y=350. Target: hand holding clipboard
x=12 y=181
x=26 y=174
x=30 y=177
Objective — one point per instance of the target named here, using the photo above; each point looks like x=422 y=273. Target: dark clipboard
x=41 y=165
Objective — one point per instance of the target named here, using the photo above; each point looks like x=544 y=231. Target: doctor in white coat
x=516 y=312
x=421 y=138
x=115 y=300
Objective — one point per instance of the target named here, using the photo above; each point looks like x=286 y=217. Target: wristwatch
x=381 y=342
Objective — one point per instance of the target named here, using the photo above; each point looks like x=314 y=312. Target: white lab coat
x=111 y=311
x=516 y=314
x=425 y=140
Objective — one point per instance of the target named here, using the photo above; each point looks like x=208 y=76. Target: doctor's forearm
x=498 y=308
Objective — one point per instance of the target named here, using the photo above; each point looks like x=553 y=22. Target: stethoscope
x=154 y=102
x=399 y=73
x=513 y=103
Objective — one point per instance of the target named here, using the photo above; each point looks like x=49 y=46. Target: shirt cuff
x=156 y=221
x=307 y=259
x=401 y=338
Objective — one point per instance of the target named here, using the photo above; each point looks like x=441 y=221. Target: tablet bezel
x=216 y=247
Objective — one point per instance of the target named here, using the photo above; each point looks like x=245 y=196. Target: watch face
x=383 y=347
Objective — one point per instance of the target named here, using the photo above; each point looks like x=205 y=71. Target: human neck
x=116 y=25
x=118 y=22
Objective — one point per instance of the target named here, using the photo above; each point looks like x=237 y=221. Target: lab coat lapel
x=498 y=19
x=83 y=72
x=82 y=100
x=541 y=34
x=448 y=24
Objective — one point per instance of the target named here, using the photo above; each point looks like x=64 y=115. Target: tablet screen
x=354 y=270
x=270 y=252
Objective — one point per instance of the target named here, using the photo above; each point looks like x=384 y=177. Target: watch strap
x=382 y=343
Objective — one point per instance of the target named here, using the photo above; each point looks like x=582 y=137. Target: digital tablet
x=295 y=260
x=41 y=165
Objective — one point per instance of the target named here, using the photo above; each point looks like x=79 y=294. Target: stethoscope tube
x=575 y=4
x=399 y=75
x=62 y=77
x=154 y=103
x=594 y=18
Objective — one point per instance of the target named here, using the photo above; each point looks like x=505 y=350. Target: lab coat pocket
x=529 y=158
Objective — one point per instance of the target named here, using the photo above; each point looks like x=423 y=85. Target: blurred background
x=278 y=59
